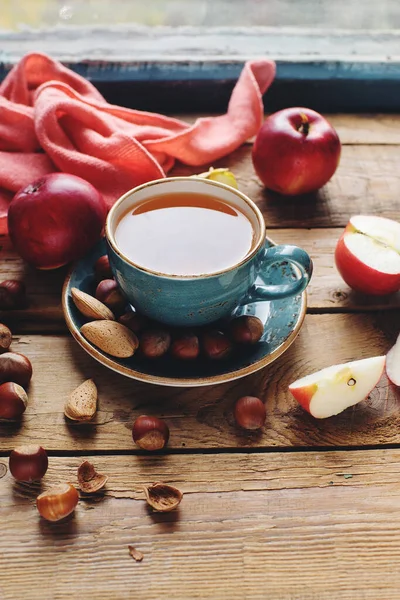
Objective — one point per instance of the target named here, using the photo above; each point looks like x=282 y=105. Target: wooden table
x=305 y=510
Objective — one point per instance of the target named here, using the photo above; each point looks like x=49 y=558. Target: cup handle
x=291 y=254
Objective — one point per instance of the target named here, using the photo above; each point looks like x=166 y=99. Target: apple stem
x=34 y=187
x=351 y=381
x=304 y=126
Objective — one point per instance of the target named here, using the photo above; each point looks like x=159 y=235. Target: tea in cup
x=187 y=251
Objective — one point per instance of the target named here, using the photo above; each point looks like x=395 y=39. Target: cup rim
x=258 y=244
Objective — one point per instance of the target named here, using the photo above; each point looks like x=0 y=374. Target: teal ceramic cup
x=202 y=299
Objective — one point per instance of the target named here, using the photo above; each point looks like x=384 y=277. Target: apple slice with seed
x=330 y=391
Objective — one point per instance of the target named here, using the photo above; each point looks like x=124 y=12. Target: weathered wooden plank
x=380 y=129
x=327 y=290
x=366 y=182
x=140 y=43
x=202 y=418
x=44 y=311
x=367 y=128
x=279 y=525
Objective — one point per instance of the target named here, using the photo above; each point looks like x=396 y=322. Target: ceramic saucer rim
x=174 y=381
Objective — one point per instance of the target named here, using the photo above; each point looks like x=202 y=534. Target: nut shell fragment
x=111 y=337
x=90 y=307
x=89 y=480
x=136 y=554
x=163 y=497
x=82 y=403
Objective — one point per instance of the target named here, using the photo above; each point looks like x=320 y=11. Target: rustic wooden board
x=366 y=129
x=253 y=523
x=281 y=526
x=132 y=44
x=201 y=418
x=327 y=291
x=366 y=182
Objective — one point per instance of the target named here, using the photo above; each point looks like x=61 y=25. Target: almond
x=82 y=403
x=111 y=337
x=90 y=307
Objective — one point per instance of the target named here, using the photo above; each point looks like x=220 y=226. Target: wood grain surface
x=366 y=182
x=303 y=526
x=365 y=129
x=275 y=514
x=201 y=418
x=327 y=291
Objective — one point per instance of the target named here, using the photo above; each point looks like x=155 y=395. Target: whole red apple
x=55 y=220
x=367 y=255
x=296 y=151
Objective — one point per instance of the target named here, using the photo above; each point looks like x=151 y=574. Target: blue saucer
x=282 y=321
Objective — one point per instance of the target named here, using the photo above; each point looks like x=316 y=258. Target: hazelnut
x=15 y=367
x=249 y=412
x=89 y=480
x=5 y=338
x=28 y=463
x=163 y=497
x=185 y=346
x=154 y=343
x=150 y=433
x=102 y=269
x=134 y=321
x=58 y=502
x=246 y=329
x=109 y=293
x=13 y=401
x=12 y=295
x=216 y=345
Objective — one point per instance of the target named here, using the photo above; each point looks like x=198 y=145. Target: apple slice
x=330 y=391
x=393 y=363
x=368 y=255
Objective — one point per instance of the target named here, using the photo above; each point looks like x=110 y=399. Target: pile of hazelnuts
x=15 y=368
x=29 y=462
x=149 y=432
x=155 y=340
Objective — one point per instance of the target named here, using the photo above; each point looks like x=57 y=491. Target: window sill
x=192 y=69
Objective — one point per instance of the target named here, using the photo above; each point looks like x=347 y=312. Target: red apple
x=296 y=151
x=55 y=220
x=367 y=255
x=330 y=391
